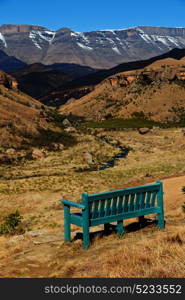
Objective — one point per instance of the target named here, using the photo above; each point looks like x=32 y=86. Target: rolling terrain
x=87 y=83
x=155 y=92
x=38 y=80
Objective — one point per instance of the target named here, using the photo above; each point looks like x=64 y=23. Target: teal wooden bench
x=114 y=206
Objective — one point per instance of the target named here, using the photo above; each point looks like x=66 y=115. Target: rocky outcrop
x=165 y=73
x=8 y=81
x=144 y=130
x=180 y=75
x=38 y=154
x=70 y=130
x=124 y=79
x=66 y=123
x=87 y=158
x=9 y=28
x=56 y=147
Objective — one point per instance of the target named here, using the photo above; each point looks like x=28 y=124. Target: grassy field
x=35 y=188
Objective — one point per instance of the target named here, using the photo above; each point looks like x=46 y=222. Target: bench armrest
x=74 y=204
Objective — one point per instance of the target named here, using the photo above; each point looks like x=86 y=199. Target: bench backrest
x=122 y=201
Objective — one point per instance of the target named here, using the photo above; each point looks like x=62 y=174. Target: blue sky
x=84 y=15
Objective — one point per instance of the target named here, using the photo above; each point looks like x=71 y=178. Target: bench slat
x=126 y=200
x=102 y=211
x=148 y=197
x=142 y=203
x=108 y=205
x=120 y=204
x=114 y=206
x=124 y=216
x=76 y=219
x=126 y=191
x=95 y=209
x=90 y=207
x=153 y=199
x=132 y=199
x=137 y=201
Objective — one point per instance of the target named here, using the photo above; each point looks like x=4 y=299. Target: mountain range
x=71 y=70
x=97 y=49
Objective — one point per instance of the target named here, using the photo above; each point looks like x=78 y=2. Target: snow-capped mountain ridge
x=98 y=49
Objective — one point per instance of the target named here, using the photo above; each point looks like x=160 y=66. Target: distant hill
x=87 y=83
x=37 y=80
x=10 y=63
x=155 y=92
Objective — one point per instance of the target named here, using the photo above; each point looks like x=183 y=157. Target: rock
x=37 y=232
x=48 y=238
x=8 y=81
x=66 y=123
x=143 y=130
x=56 y=147
x=61 y=147
x=183 y=132
x=70 y=130
x=11 y=151
x=17 y=238
x=148 y=175
x=38 y=154
x=87 y=157
x=155 y=127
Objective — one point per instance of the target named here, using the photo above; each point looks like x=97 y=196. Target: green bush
x=11 y=224
x=139 y=114
x=47 y=136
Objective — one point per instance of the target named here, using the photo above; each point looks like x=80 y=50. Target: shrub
x=47 y=136
x=138 y=114
x=11 y=224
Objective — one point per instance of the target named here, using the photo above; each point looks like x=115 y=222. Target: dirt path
x=173 y=188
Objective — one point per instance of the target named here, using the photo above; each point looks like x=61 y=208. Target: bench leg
x=142 y=221
x=120 y=230
x=86 y=237
x=160 y=217
x=67 y=227
x=106 y=227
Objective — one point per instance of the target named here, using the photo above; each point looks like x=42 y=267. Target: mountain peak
x=64 y=30
x=10 y=28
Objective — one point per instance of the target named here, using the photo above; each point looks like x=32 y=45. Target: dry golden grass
x=142 y=253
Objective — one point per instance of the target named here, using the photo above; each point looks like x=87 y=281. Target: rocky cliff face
x=97 y=49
